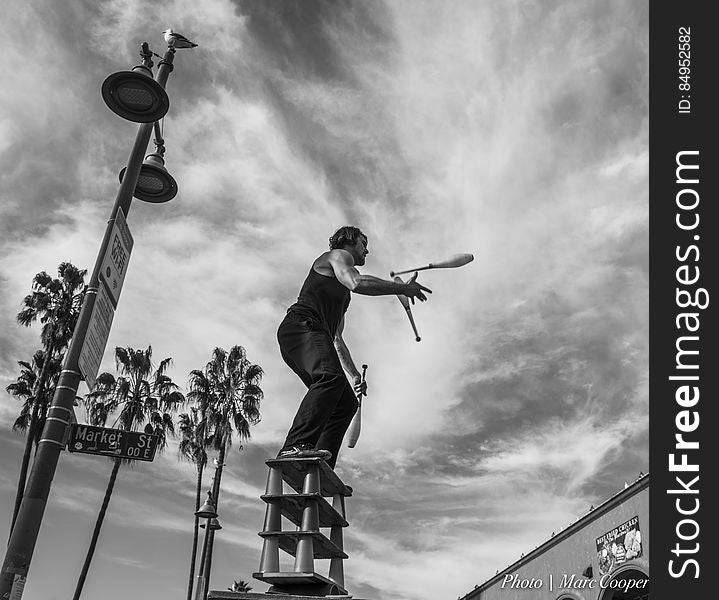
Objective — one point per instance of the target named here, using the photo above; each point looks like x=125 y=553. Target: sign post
x=116 y=246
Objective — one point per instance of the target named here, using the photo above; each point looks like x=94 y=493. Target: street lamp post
x=209 y=512
x=214 y=525
x=145 y=95
x=207 y=562
x=203 y=580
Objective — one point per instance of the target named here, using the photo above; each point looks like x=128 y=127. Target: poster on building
x=619 y=545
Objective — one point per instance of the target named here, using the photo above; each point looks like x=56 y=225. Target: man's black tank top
x=322 y=299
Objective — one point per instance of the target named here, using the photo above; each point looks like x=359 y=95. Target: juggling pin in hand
x=405 y=303
x=454 y=261
x=355 y=427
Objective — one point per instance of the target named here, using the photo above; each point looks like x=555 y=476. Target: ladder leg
x=336 y=573
x=304 y=558
x=270 y=559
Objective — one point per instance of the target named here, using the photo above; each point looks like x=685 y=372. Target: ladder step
x=322 y=546
x=298 y=580
x=295 y=469
x=293 y=505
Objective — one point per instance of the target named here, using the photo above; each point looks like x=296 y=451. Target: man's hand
x=359 y=385
x=415 y=290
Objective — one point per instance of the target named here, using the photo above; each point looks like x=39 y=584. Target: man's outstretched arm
x=369 y=285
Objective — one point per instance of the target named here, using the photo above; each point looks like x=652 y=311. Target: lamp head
x=207 y=510
x=135 y=95
x=154 y=184
x=214 y=524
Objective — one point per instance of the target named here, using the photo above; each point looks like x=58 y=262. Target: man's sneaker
x=304 y=451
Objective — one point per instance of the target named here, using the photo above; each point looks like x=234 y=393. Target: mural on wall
x=619 y=545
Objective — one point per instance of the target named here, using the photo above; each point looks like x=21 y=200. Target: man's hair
x=346 y=235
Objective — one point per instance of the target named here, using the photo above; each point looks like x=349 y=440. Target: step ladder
x=312 y=482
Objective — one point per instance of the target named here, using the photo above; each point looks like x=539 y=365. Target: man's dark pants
x=330 y=403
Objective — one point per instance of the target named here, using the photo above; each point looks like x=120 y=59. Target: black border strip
x=671 y=132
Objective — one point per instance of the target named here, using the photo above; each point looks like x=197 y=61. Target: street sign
x=98 y=330
x=116 y=443
x=114 y=263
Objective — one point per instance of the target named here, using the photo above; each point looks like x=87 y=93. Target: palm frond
x=26 y=365
x=22 y=388
x=253 y=373
x=164 y=364
x=168 y=425
x=122 y=358
x=98 y=413
x=22 y=422
x=173 y=400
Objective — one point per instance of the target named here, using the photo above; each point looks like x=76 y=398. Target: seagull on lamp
x=177 y=40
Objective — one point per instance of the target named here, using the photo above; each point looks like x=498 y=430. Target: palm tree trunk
x=216 y=496
x=196 y=532
x=96 y=533
x=25 y=465
x=105 y=503
x=218 y=475
x=31 y=433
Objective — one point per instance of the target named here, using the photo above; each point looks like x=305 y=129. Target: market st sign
x=116 y=443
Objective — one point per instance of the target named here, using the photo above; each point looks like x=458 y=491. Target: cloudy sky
x=513 y=130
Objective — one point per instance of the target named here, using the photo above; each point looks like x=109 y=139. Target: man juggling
x=310 y=338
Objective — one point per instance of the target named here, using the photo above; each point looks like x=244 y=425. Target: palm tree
x=141 y=396
x=229 y=387
x=192 y=447
x=25 y=390
x=56 y=304
x=239 y=586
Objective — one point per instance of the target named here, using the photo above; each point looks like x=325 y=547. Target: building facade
x=602 y=556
